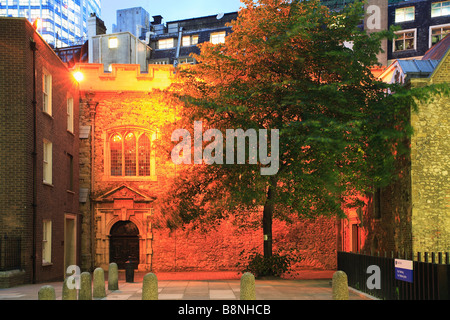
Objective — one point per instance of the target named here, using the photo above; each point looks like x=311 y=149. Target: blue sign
x=404 y=270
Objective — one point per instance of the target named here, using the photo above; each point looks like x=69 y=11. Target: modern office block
x=62 y=22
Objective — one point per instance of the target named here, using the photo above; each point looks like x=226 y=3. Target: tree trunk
x=268 y=216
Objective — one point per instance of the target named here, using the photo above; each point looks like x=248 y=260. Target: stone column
x=150 y=287
x=69 y=291
x=99 y=284
x=47 y=293
x=248 y=287
x=113 y=277
x=85 y=292
x=340 y=286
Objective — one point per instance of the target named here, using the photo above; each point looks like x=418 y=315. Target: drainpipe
x=34 y=155
x=93 y=112
x=180 y=37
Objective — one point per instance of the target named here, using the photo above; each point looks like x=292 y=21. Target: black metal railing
x=10 y=253
x=430 y=279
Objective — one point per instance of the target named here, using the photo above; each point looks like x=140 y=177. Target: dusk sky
x=169 y=9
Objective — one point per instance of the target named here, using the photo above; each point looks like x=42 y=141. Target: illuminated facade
x=64 y=22
x=124 y=176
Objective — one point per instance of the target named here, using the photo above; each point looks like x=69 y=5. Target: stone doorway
x=124 y=243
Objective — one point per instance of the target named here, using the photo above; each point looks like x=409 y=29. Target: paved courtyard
x=173 y=287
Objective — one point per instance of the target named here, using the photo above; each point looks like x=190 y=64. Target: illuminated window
x=70 y=115
x=144 y=156
x=47 y=162
x=116 y=155
x=113 y=43
x=47 y=92
x=406 y=40
x=190 y=41
x=404 y=14
x=47 y=242
x=217 y=37
x=439 y=9
x=437 y=33
x=130 y=154
x=166 y=43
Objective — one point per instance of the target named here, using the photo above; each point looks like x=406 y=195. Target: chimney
x=95 y=26
x=157 y=19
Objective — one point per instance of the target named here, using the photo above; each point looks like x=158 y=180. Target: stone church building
x=122 y=177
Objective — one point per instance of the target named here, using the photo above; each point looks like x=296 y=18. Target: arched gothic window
x=144 y=155
x=116 y=155
x=130 y=153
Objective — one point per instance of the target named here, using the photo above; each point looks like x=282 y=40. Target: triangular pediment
x=124 y=192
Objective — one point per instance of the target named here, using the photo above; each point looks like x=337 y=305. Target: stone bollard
x=69 y=292
x=340 y=286
x=99 y=284
x=47 y=293
x=248 y=287
x=85 y=292
x=113 y=277
x=150 y=287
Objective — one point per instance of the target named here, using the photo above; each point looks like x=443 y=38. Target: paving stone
x=222 y=294
x=171 y=296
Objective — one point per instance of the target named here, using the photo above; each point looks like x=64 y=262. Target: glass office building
x=63 y=22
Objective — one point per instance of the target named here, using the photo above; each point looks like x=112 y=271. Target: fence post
x=150 y=287
x=340 y=286
x=47 y=293
x=68 y=293
x=85 y=292
x=99 y=284
x=113 y=277
x=248 y=287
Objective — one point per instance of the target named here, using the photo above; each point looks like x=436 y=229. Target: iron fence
x=430 y=277
x=10 y=253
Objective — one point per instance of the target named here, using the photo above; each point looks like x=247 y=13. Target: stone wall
x=415 y=209
x=430 y=168
x=222 y=247
x=106 y=108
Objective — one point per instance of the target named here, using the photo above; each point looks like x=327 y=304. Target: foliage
x=261 y=266
x=285 y=67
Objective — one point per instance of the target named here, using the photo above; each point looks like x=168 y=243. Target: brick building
x=176 y=40
x=39 y=159
x=421 y=24
x=122 y=179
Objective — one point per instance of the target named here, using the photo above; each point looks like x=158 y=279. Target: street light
x=79 y=76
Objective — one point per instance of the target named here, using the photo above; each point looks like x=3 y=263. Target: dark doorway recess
x=124 y=243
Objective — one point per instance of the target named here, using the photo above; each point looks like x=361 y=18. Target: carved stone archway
x=123 y=206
